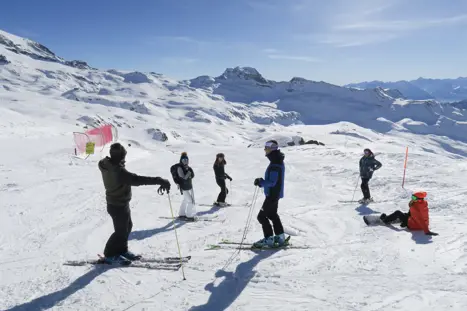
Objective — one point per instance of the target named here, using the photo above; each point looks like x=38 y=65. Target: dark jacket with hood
x=368 y=164
x=274 y=176
x=118 y=181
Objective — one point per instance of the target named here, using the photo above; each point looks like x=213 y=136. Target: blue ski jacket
x=274 y=176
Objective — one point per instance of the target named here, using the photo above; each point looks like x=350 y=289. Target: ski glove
x=258 y=182
x=431 y=233
x=165 y=186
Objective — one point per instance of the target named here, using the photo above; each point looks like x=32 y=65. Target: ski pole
x=405 y=164
x=176 y=236
x=353 y=196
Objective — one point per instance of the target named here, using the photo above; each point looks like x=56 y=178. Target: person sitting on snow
x=416 y=219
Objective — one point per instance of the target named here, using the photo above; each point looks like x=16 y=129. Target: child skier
x=221 y=176
x=118 y=182
x=416 y=219
x=273 y=184
x=368 y=164
x=185 y=176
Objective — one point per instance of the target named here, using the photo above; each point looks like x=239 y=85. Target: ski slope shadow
x=233 y=284
x=365 y=210
x=144 y=234
x=51 y=300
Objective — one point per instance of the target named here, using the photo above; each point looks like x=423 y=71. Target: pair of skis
x=165 y=263
x=226 y=244
x=196 y=218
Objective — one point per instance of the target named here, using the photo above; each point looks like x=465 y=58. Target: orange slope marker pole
x=405 y=164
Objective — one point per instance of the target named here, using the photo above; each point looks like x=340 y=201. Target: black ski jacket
x=368 y=165
x=219 y=171
x=118 y=181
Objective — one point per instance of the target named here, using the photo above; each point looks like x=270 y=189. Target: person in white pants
x=186 y=175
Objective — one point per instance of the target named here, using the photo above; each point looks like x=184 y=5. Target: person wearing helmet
x=368 y=164
x=273 y=184
x=221 y=176
x=185 y=176
x=416 y=219
x=118 y=182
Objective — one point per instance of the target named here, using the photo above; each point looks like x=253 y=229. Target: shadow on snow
x=144 y=234
x=233 y=284
x=53 y=299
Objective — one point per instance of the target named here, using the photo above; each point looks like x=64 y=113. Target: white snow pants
x=187 y=208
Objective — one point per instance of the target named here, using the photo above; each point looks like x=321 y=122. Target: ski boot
x=383 y=217
x=266 y=242
x=112 y=260
x=280 y=240
x=130 y=256
x=365 y=200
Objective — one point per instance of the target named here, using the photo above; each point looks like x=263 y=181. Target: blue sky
x=338 y=41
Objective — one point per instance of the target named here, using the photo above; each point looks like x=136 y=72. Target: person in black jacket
x=118 y=182
x=221 y=176
x=368 y=164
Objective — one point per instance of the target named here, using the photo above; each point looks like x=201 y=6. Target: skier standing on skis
x=118 y=182
x=368 y=164
x=273 y=184
x=185 y=176
x=221 y=176
x=416 y=219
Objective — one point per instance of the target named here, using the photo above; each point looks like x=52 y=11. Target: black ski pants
x=397 y=216
x=224 y=190
x=268 y=213
x=365 y=188
x=118 y=241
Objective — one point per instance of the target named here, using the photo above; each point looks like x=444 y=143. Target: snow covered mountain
x=324 y=103
x=239 y=95
x=445 y=90
x=407 y=89
x=53 y=209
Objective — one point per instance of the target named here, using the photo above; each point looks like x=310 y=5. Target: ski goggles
x=414 y=198
x=185 y=161
x=366 y=152
x=270 y=145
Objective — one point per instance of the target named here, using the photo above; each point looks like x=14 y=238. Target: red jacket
x=419 y=217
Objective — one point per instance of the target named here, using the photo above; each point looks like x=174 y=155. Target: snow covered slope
x=52 y=206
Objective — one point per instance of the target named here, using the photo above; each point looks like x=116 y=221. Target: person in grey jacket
x=368 y=164
x=185 y=176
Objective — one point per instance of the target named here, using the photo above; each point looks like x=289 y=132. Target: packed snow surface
x=53 y=204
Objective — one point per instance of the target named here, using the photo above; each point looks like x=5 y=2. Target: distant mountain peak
x=243 y=73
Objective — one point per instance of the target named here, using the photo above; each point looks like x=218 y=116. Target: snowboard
x=372 y=220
